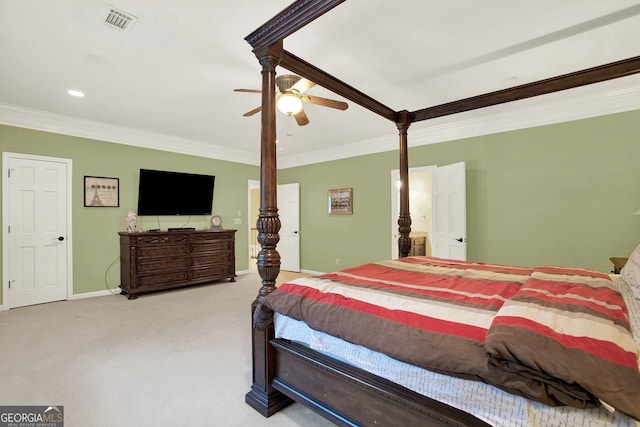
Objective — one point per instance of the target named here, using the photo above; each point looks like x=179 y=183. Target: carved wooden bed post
x=403 y=121
x=268 y=223
x=262 y=396
x=267 y=44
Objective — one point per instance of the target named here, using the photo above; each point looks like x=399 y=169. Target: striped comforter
x=486 y=322
x=569 y=329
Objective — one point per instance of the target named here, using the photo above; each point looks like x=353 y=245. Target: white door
x=37 y=230
x=449 y=220
x=289 y=212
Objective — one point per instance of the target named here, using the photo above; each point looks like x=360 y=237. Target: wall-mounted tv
x=174 y=193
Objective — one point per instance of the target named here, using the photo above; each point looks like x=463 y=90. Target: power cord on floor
x=106 y=284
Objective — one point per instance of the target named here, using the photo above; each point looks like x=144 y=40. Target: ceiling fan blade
x=301 y=118
x=325 y=102
x=248 y=90
x=303 y=85
x=252 y=112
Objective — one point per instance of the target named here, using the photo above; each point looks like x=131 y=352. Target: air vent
x=119 y=20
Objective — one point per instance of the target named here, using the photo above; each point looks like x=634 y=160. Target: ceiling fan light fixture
x=289 y=103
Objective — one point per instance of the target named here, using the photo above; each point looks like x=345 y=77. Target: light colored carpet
x=173 y=358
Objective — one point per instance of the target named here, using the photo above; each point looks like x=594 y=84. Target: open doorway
x=437 y=205
x=420 y=209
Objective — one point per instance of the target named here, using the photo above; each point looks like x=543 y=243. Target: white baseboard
x=315 y=273
x=115 y=291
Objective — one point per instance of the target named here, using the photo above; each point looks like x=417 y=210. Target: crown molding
x=613 y=96
x=23 y=117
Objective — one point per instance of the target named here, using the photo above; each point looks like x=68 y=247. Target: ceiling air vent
x=117 y=19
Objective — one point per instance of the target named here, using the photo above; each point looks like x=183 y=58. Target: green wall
x=352 y=239
x=95 y=238
x=559 y=194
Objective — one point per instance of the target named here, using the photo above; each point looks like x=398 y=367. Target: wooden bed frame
x=284 y=372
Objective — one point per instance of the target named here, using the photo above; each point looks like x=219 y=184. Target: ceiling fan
x=291 y=96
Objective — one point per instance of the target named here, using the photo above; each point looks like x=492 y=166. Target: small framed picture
x=101 y=192
x=340 y=201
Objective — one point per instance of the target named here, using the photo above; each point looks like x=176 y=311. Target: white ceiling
x=169 y=80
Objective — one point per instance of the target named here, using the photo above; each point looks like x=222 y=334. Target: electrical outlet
x=337 y=261
x=237 y=221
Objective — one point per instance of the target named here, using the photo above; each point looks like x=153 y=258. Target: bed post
x=262 y=396
x=403 y=121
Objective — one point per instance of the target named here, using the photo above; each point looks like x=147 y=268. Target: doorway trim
x=6 y=156
x=252 y=185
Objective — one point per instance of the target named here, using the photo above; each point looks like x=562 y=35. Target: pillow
x=631 y=272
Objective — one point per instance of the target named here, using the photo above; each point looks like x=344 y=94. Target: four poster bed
x=470 y=324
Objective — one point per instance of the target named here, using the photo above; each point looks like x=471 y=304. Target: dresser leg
x=130 y=296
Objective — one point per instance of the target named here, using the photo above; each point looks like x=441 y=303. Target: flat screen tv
x=174 y=193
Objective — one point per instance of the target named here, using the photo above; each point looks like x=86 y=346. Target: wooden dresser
x=152 y=261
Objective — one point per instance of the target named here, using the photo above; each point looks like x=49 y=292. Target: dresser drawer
x=168 y=277
x=210 y=247
x=161 y=251
x=222 y=259
x=155 y=266
x=212 y=236
x=212 y=273
x=159 y=239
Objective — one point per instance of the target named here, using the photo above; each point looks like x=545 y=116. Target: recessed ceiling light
x=75 y=93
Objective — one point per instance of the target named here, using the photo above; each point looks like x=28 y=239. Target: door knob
x=460 y=239
x=61 y=238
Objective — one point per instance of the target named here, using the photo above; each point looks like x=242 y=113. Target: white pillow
x=631 y=272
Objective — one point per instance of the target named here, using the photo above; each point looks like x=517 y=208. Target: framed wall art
x=101 y=192
x=340 y=201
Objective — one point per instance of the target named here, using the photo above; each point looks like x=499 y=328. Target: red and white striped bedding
x=429 y=312
x=569 y=329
